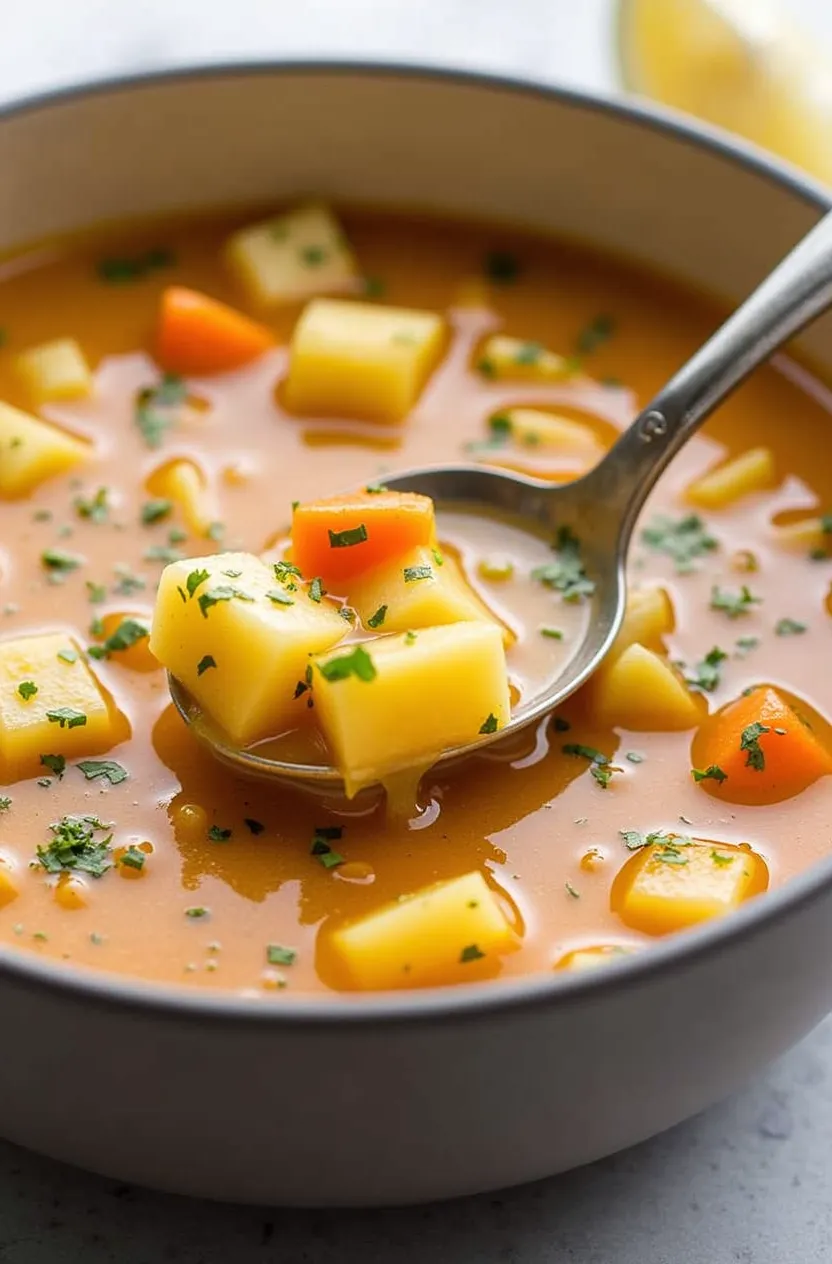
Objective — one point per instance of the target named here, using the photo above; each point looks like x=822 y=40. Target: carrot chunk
x=198 y=334
x=345 y=536
x=759 y=749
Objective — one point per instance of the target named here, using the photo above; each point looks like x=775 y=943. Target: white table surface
x=749 y=1181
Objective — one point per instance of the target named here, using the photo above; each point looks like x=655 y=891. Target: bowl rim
x=89 y=985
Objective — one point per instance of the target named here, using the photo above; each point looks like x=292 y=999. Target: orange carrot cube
x=198 y=334
x=341 y=538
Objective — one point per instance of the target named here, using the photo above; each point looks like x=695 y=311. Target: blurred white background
x=47 y=43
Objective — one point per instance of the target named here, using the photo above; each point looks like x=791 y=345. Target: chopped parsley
x=567 y=575
x=312 y=256
x=733 y=604
x=599 y=330
x=554 y=634
x=67 y=717
x=356 y=663
x=27 y=689
x=471 y=952
x=284 y=572
x=634 y=757
x=720 y=859
x=163 y=553
x=277 y=955
x=133 y=857
x=74 y=845
x=346 y=539
x=707 y=672
x=316 y=590
x=195 y=580
x=585 y=752
x=253 y=826
x=5 y=803
x=489 y=724
x=377 y=619
x=279 y=597
x=789 y=627
x=746 y=643
x=127 y=634
x=682 y=539
x=152 y=412
x=59 y=563
x=95 y=509
x=750 y=742
x=570 y=890
x=197 y=910
x=672 y=852
x=223 y=592
x=216 y=834
x=55 y=763
x=634 y=839
x=106 y=769
x=712 y=773
x=413 y=573
x=204 y=663
x=156 y=511
x=124 y=270
x=501 y=267
x=324 y=835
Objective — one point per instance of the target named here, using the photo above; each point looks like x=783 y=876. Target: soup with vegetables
x=197 y=419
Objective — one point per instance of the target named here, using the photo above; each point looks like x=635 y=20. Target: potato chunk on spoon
x=600 y=508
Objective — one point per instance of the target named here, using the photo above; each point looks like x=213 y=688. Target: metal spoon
x=601 y=508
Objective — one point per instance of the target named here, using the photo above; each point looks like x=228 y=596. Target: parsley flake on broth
x=545 y=334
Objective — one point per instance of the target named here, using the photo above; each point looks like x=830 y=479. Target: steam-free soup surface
x=230 y=892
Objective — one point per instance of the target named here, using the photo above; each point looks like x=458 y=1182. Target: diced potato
x=810 y=535
x=55 y=370
x=534 y=428
x=32 y=451
x=752 y=471
x=452 y=932
x=591 y=958
x=517 y=361
x=676 y=882
x=638 y=690
x=293 y=256
x=239 y=639
x=9 y=888
x=397 y=702
x=83 y=721
x=424 y=588
x=648 y=619
x=361 y=360
x=183 y=482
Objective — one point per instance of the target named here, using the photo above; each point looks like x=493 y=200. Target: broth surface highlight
x=216 y=889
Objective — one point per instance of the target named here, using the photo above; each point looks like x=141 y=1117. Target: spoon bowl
x=598 y=510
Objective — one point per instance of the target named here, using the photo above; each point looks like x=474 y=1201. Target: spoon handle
x=798 y=290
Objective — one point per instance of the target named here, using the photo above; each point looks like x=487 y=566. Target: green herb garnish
x=789 y=627
x=413 y=573
x=501 y=267
x=489 y=724
x=74 y=846
x=127 y=634
x=377 y=619
x=55 y=763
x=682 y=540
x=27 y=689
x=218 y=835
x=107 y=769
x=253 y=826
x=277 y=955
x=204 y=663
x=598 y=331
x=133 y=857
x=750 y=742
x=96 y=509
x=153 y=404
x=707 y=672
x=346 y=539
x=356 y=663
x=733 y=604
x=712 y=773
x=67 y=717
x=156 y=511
x=471 y=952
x=195 y=580
x=567 y=575
x=59 y=563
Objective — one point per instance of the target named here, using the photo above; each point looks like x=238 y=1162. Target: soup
x=657 y=797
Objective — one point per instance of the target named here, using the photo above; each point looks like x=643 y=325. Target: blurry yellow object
x=737 y=63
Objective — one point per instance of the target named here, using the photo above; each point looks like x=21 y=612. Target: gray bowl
x=402 y=1098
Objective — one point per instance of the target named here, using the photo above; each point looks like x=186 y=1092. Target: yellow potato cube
x=534 y=428
x=32 y=451
x=638 y=690
x=55 y=370
x=517 y=361
x=752 y=471
x=591 y=958
x=676 y=882
x=238 y=635
x=50 y=704
x=812 y=535
x=9 y=889
x=452 y=932
x=291 y=257
x=421 y=589
x=397 y=702
x=183 y=482
x=360 y=359
x=648 y=619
